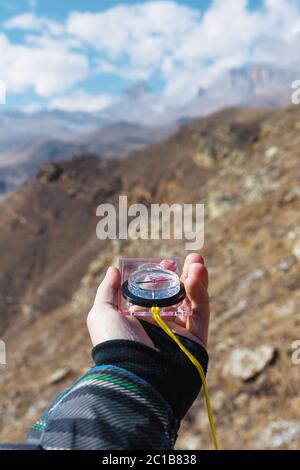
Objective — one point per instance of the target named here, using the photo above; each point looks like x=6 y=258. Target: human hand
x=106 y=323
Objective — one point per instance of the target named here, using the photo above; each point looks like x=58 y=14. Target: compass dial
x=152 y=281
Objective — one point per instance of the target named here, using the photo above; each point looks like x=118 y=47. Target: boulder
x=246 y=364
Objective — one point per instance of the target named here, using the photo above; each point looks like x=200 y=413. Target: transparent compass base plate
x=127 y=267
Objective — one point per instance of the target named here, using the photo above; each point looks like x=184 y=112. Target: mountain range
x=21 y=162
x=138 y=118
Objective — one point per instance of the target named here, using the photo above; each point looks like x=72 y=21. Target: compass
x=152 y=284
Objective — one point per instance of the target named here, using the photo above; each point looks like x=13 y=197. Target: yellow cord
x=156 y=315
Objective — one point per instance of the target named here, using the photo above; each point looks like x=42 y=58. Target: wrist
x=166 y=368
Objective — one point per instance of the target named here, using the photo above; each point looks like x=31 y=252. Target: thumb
x=107 y=293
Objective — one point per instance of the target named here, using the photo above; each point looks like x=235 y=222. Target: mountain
x=20 y=163
x=244 y=165
x=138 y=118
x=17 y=127
x=26 y=140
x=139 y=104
x=257 y=85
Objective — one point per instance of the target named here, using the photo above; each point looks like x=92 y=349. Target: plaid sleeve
x=107 y=408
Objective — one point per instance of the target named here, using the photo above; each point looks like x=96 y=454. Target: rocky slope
x=244 y=164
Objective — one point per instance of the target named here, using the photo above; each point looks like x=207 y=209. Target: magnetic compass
x=152 y=284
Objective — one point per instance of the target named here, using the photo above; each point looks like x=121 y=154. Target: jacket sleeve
x=134 y=398
x=108 y=408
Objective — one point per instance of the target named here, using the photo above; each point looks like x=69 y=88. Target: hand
x=106 y=323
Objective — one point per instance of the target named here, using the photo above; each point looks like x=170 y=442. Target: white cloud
x=185 y=48
x=80 y=101
x=118 y=29
x=296 y=28
x=125 y=72
x=32 y=108
x=31 y=22
x=230 y=36
x=45 y=41
x=49 y=69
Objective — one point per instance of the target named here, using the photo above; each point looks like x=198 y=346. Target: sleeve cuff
x=168 y=370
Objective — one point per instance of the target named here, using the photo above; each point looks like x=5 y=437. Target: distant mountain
x=140 y=104
x=17 y=127
x=19 y=164
x=138 y=118
x=257 y=85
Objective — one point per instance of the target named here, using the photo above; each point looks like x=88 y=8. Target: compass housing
x=152 y=282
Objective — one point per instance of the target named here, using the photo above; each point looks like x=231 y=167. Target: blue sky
x=81 y=55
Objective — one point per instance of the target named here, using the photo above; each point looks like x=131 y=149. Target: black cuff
x=168 y=370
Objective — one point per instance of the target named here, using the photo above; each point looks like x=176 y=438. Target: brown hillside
x=244 y=164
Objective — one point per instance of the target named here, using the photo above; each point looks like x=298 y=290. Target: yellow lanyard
x=157 y=317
